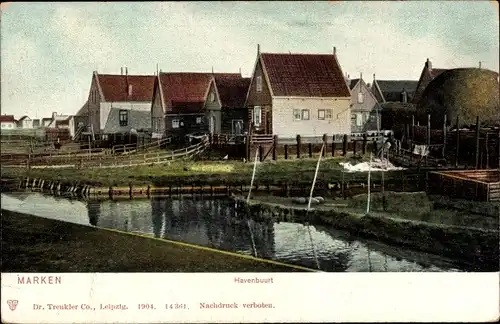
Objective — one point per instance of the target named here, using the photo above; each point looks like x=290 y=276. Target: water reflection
x=212 y=223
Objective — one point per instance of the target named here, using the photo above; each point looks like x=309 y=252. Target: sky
x=49 y=50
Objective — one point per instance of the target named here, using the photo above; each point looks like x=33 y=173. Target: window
x=211 y=97
x=321 y=114
x=296 y=114
x=353 y=119
x=175 y=123
x=305 y=114
x=257 y=115
x=123 y=117
x=366 y=117
x=359 y=119
x=198 y=120
x=360 y=97
x=328 y=114
x=259 y=83
x=237 y=126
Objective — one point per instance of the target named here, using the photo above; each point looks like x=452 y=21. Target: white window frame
x=123 y=117
x=198 y=120
x=257 y=115
x=258 y=86
x=306 y=113
x=328 y=113
x=297 y=114
x=233 y=123
x=321 y=114
x=176 y=123
x=361 y=97
x=211 y=97
x=359 y=119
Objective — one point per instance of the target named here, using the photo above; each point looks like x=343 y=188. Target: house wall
x=262 y=99
x=94 y=106
x=157 y=114
x=228 y=115
x=362 y=112
x=190 y=124
x=213 y=111
x=8 y=125
x=26 y=123
x=285 y=125
x=139 y=116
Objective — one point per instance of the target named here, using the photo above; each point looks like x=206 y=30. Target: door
x=269 y=122
x=238 y=127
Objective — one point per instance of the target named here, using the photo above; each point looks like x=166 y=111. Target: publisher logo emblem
x=12 y=304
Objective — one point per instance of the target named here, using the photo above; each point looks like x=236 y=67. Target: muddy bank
x=35 y=244
x=467 y=243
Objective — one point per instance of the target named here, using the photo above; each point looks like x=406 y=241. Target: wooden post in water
x=477 y=142
x=457 y=142
x=298 y=146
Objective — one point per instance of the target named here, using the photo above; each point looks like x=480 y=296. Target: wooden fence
x=108 y=159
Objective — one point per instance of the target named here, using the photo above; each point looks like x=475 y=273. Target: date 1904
x=146 y=306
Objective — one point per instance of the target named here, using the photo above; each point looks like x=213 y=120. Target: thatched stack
x=466 y=93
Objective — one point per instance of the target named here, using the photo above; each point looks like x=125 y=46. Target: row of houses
x=288 y=94
x=25 y=122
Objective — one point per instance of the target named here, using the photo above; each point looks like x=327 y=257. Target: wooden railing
x=262 y=139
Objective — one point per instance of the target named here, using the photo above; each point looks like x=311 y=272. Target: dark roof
x=398 y=106
x=23 y=118
x=83 y=111
x=7 y=118
x=115 y=87
x=436 y=72
x=62 y=122
x=232 y=91
x=353 y=83
x=305 y=75
x=397 y=85
x=186 y=92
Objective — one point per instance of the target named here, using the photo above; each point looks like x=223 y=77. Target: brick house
x=364 y=107
x=178 y=106
x=293 y=94
x=428 y=74
x=225 y=104
x=117 y=103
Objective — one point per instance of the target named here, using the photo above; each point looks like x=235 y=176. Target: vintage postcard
x=250 y=162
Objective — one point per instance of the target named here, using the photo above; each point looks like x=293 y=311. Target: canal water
x=212 y=223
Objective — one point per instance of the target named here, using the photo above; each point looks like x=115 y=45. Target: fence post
x=487 y=153
x=247 y=146
x=286 y=151
x=344 y=145
x=275 y=145
x=477 y=142
x=365 y=142
x=260 y=153
x=310 y=150
x=333 y=145
x=298 y=146
x=354 y=144
x=457 y=143
x=444 y=137
x=428 y=137
x=325 y=140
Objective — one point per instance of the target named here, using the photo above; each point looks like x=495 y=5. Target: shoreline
x=468 y=244
x=36 y=244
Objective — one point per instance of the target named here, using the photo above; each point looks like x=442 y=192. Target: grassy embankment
x=35 y=244
x=204 y=173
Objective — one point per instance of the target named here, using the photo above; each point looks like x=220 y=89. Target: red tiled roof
x=115 y=87
x=7 y=118
x=186 y=92
x=232 y=91
x=305 y=75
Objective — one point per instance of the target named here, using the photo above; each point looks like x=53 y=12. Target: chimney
x=126 y=71
x=212 y=70
x=428 y=65
x=479 y=64
x=373 y=78
x=258 y=49
x=361 y=75
x=334 y=50
x=54 y=114
x=121 y=70
x=348 y=79
x=240 y=71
